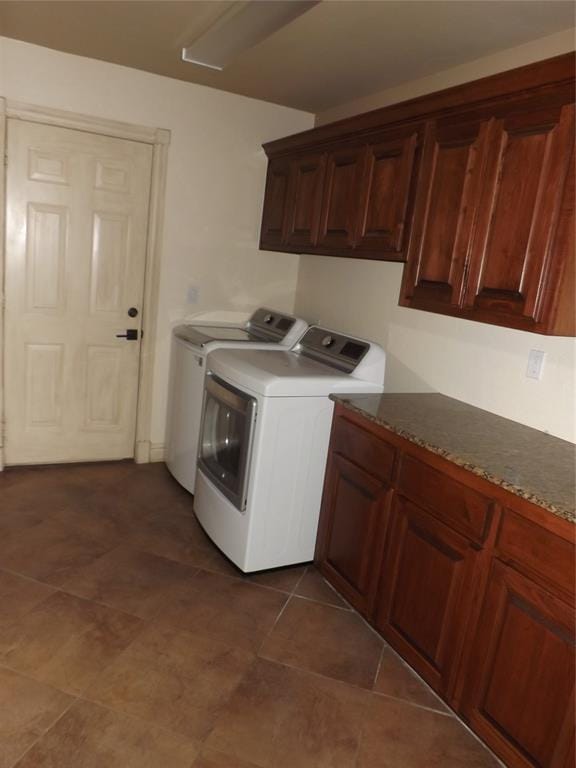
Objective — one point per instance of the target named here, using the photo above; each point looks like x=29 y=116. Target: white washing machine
x=191 y=343
x=264 y=443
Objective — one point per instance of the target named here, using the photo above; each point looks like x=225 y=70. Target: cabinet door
x=386 y=185
x=446 y=201
x=425 y=592
x=304 y=201
x=528 y=162
x=351 y=531
x=340 y=198
x=521 y=695
x=272 y=234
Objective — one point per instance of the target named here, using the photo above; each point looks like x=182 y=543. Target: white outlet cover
x=193 y=294
x=535 y=365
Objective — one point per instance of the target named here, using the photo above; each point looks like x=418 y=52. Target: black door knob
x=132 y=312
x=130 y=335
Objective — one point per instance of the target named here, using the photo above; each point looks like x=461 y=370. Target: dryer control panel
x=334 y=349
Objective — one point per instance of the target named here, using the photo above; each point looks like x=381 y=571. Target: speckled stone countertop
x=524 y=461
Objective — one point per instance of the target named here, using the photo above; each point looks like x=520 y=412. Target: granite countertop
x=524 y=461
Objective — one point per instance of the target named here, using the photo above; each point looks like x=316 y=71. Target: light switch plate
x=535 y=365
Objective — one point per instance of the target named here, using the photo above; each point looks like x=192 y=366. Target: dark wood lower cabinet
x=472 y=585
x=353 y=537
x=521 y=690
x=426 y=582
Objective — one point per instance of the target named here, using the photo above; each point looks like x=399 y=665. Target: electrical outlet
x=193 y=294
x=535 y=364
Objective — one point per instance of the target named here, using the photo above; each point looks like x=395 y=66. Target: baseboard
x=157 y=452
x=145 y=452
x=142 y=452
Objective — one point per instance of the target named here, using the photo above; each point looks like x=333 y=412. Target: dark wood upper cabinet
x=366 y=198
x=520 y=696
x=473 y=187
x=304 y=200
x=447 y=199
x=387 y=182
x=486 y=243
x=340 y=198
x=529 y=157
x=273 y=230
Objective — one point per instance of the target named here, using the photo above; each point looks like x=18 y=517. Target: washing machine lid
x=265 y=326
x=283 y=374
x=201 y=335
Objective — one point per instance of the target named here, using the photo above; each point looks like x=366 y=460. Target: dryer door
x=226 y=438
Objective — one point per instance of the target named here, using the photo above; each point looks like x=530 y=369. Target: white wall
x=536 y=50
x=479 y=364
x=215 y=183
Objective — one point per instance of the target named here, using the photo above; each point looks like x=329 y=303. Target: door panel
x=304 y=200
x=425 y=584
x=521 y=697
x=103 y=387
x=275 y=204
x=387 y=183
x=44 y=385
x=51 y=166
x=47 y=226
x=112 y=175
x=446 y=202
x=351 y=531
x=529 y=159
x=340 y=200
x=109 y=262
x=77 y=212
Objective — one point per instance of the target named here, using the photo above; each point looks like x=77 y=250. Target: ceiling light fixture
x=241 y=27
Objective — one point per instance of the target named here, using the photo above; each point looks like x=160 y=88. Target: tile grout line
x=320 y=602
x=295 y=587
x=137 y=718
x=83 y=697
x=380 y=660
x=241 y=577
x=447 y=713
x=52 y=725
x=273 y=627
x=367 y=691
x=151 y=620
x=198 y=569
x=319 y=674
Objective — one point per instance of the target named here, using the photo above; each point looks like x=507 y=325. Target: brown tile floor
x=128 y=641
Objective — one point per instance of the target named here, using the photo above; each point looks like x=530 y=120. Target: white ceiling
x=338 y=51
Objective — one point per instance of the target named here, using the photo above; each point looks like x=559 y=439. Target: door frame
x=159 y=139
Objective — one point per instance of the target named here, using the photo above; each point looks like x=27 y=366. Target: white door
x=77 y=215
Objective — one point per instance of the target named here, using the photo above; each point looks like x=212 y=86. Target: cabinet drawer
x=363 y=449
x=537 y=549
x=457 y=505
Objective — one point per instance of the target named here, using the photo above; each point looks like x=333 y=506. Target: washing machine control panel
x=270 y=325
x=327 y=341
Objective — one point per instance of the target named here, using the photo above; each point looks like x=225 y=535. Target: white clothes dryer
x=191 y=343
x=264 y=443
